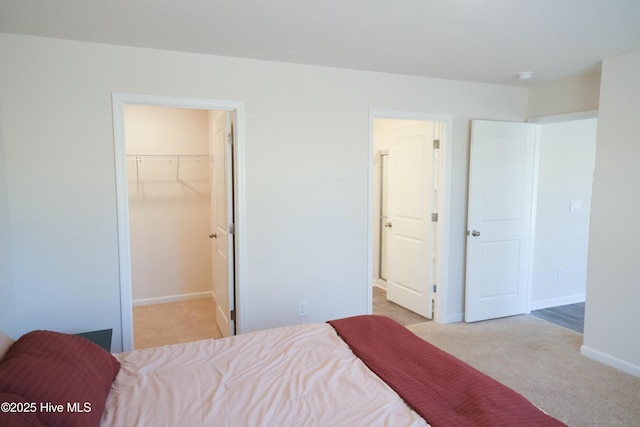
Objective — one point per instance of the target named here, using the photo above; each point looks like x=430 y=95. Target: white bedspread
x=292 y=376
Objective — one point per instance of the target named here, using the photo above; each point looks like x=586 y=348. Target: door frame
x=119 y=101
x=540 y=120
x=441 y=246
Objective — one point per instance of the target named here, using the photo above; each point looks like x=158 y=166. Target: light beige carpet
x=174 y=322
x=542 y=362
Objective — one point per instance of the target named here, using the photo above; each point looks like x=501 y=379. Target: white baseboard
x=380 y=283
x=554 y=302
x=453 y=318
x=613 y=361
x=172 y=298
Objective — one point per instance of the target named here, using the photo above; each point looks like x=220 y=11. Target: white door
x=501 y=180
x=222 y=213
x=410 y=230
x=384 y=214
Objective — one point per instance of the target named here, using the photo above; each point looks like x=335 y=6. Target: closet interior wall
x=169 y=193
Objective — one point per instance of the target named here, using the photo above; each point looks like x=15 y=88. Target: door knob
x=388 y=224
x=213 y=236
x=475 y=233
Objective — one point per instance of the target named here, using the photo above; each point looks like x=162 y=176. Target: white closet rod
x=178 y=157
x=168 y=156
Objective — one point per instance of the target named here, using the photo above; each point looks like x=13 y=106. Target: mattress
x=289 y=376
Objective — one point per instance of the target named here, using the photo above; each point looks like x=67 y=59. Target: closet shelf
x=168 y=166
x=167 y=156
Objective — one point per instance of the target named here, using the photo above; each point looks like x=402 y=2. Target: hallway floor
x=387 y=308
x=570 y=316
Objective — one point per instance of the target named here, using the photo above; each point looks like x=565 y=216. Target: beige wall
x=169 y=203
x=164 y=130
x=613 y=283
x=613 y=289
x=564 y=96
x=307 y=221
x=565 y=174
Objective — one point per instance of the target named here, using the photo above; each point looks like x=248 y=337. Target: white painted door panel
x=501 y=181
x=223 y=248
x=410 y=231
x=384 y=215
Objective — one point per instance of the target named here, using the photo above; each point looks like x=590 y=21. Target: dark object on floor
x=102 y=338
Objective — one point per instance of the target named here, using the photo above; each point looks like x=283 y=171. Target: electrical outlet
x=303 y=308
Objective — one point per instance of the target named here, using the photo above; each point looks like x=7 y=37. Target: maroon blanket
x=444 y=390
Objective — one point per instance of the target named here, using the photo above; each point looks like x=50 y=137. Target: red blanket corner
x=444 y=390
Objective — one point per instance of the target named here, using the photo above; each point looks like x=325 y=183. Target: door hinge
x=435 y=288
x=434 y=217
x=230 y=138
x=232 y=315
x=232 y=228
x=436 y=144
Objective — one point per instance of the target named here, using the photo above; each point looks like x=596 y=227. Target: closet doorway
x=178 y=219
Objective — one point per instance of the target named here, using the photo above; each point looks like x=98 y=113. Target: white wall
x=169 y=203
x=7 y=298
x=307 y=209
x=564 y=96
x=613 y=283
x=565 y=174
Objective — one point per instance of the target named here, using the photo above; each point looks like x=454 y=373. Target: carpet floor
x=174 y=322
x=542 y=362
x=192 y=320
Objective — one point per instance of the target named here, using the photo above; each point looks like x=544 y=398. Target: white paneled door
x=409 y=226
x=222 y=218
x=501 y=183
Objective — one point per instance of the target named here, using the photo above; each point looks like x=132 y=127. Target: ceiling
x=474 y=40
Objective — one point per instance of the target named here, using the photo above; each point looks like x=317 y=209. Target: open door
x=409 y=224
x=222 y=224
x=501 y=181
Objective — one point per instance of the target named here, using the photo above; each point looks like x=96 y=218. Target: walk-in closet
x=169 y=171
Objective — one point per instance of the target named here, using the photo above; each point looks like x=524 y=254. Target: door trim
x=119 y=100
x=441 y=276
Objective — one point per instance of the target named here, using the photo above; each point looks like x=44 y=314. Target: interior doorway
x=410 y=208
x=178 y=217
x=563 y=212
x=168 y=173
x=555 y=221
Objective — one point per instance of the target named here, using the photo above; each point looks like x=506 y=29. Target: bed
x=358 y=371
